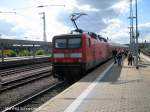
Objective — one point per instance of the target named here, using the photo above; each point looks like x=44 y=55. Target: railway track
x=22 y=82
x=12 y=71
x=34 y=101
x=25 y=77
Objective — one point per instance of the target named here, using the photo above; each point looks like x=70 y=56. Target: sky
x=22 y=19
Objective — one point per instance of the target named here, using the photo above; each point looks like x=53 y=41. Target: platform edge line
x=75 y=104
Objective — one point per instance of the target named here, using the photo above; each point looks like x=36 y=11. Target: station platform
x=109 y=88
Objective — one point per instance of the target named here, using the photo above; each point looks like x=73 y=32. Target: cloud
x=103 y=16
x=120 y=7
x=114 y=23
x=144 y=30
x=116 y=30
x=144 y=25
x=28 y=23
x=99 y=4
x=88 y=8
x=18 y=24
x=97 y=11
x=122 y=36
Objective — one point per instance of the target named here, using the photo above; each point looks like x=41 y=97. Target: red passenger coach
x=74 y=54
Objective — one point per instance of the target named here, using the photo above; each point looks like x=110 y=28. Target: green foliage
x=24 y=53
x=10 y=53
x=40 y=52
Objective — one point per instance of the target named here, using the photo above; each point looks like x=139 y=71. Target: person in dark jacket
x=126 y=53
x=139 y=51
x=130 y=59
x=114 y=54
x=119 y=58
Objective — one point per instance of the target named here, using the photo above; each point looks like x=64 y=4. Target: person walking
x=114 y=54
x=139 y=51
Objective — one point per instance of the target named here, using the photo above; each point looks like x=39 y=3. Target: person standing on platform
x=119 y=58
x=139 y=51
x=130 y=59
x=126 y=53
x=114 y=53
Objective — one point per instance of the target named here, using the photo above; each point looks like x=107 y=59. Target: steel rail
x=22 y=69
x=11 y=85
x=10 y=109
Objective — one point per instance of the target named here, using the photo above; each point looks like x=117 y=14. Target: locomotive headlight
x=67 y=55
x=58 y=55
x=76 y=55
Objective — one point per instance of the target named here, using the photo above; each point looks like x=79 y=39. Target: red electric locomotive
x=74 y=54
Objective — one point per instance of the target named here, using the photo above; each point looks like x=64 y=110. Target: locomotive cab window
x=74 y=42
x=60 y=43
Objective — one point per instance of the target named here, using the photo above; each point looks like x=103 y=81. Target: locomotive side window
x=61 y=43
x=74 y=42
x=88 y=42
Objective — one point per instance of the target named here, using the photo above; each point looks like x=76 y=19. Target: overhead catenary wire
x=39 y=6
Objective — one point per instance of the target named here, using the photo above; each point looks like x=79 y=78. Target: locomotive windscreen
x=73 y=42
x=61 y=43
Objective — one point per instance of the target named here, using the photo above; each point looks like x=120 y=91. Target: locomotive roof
x=92 y=35
x=67 y=35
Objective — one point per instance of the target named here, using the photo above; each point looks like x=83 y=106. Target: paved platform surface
x=118 y=89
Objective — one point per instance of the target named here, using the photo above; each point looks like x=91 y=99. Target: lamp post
x=137 y=35
x=44 y=26
x=134 y=36
x=44 y=20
